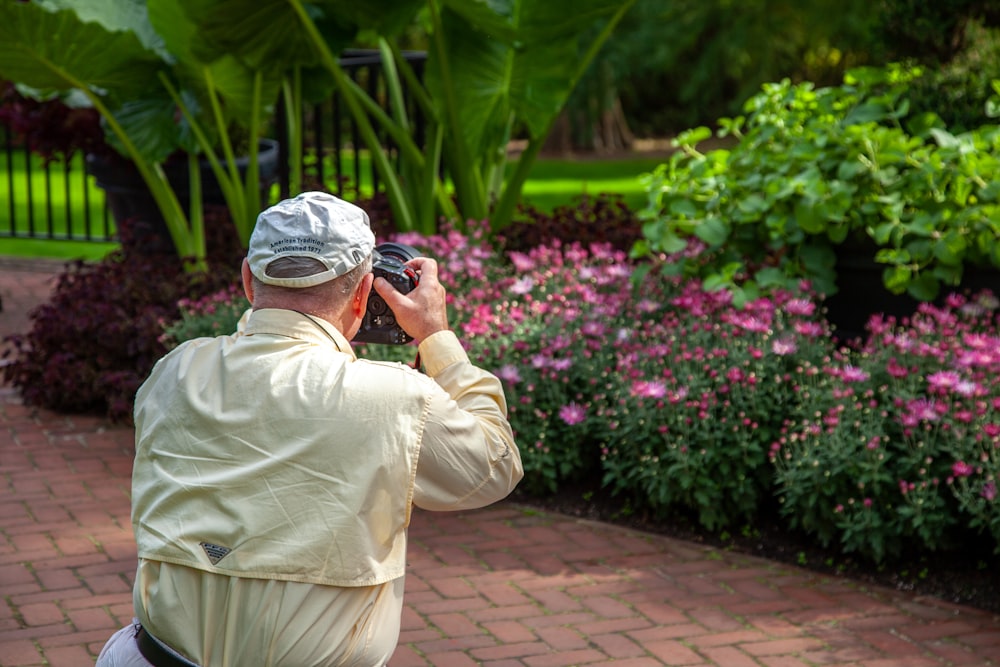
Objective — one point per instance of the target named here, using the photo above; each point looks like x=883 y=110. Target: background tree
x=672 y=66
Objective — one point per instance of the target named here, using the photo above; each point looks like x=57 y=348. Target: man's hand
x=423 y=311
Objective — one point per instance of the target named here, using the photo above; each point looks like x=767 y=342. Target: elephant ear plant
x=160 y=90
x=493 y=68
x=815 y=172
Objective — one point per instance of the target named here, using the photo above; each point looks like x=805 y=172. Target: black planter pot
x=134 y=208
x=861 y=293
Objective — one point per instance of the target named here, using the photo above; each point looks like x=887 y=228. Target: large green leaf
x=49 y=48
x=267 y=35
x=149 y=122
x=117 y=16
x=386 y=17
x=225 y=59
x=511 y=58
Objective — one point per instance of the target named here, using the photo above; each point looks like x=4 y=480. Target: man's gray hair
x=300 y=267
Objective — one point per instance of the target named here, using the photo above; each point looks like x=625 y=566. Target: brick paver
x=503 y=587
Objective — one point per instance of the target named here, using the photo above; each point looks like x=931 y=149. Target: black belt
x=156 y=654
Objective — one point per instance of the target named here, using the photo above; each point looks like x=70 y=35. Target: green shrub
x=959 y=91
x=210 y=315
x=819 y=169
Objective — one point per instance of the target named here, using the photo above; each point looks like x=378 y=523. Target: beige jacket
x=276 y=455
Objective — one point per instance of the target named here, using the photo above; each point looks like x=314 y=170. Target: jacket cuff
x=440 y=350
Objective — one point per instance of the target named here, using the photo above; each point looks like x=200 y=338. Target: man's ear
x=360 y=302
x=247 y=280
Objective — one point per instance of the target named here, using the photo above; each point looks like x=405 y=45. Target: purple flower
x=989 y=491
x=572 y=413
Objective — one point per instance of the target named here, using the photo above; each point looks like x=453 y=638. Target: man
x=275 y=472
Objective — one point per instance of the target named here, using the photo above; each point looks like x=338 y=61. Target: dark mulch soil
x=971 y=577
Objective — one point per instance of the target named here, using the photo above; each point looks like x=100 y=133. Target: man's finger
x=425 y=265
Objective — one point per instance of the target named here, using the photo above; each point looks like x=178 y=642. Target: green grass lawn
x=553 y=182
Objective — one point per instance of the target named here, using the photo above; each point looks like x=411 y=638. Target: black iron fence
x=61 y=201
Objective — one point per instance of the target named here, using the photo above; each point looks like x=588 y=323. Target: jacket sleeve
x=468 y=457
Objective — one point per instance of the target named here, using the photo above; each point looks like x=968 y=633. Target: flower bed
x=678 y=399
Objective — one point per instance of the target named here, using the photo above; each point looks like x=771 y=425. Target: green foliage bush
x=816 y=170
x=215 y=314
x=959 y=91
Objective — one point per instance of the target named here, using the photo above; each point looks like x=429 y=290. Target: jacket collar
x=297 y=325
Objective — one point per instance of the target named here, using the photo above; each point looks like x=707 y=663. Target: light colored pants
x=123 y=651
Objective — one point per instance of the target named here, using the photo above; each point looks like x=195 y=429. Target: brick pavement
x=502 y=587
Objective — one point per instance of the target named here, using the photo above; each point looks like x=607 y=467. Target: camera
x=379 y=324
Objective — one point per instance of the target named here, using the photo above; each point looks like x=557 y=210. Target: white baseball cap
x=313 y=224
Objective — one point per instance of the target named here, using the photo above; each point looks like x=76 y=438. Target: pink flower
x=539 y=361
x=975 y=358
x=961 y=469
x=750 y=323
x=922 y=409
x=809 y=329
x=522 y=263
x=978 y=341
x=800 y=307
x=644 y=389
x=522 y=286
x=784 y=346
x=509 y=373
x=572 y=413
x=562 y=364
x=896 y=370
x=989 y=491
x=944 y=380
x=678 y=396
x=853 y=374
x=967 y=388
